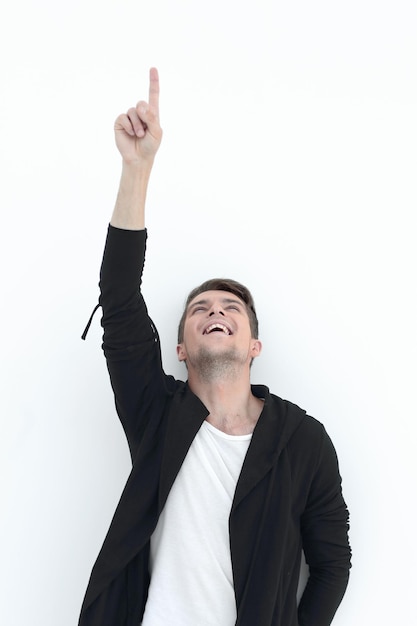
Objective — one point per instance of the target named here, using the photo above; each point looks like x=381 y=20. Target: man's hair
x=223 y=284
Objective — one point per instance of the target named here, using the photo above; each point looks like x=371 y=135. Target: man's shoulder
x=276 y=404
x=294 y=419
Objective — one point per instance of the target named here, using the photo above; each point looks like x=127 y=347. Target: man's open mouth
x=217 y=328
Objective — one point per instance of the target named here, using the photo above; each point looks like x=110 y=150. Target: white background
x=289 y=163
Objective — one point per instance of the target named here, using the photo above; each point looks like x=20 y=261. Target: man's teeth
x=217 y=327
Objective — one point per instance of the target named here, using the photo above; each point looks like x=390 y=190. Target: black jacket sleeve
x=324 y=528
x=130 y=339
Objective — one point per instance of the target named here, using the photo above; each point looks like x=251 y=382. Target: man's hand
x=138 y=133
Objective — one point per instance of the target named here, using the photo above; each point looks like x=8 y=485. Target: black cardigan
x=288 y=496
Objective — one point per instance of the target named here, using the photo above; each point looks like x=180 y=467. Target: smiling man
x=229 y=482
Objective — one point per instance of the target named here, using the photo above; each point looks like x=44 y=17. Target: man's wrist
x=137 y=170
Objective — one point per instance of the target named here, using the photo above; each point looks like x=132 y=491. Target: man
x=229 y=482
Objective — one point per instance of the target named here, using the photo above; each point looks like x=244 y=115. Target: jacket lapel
x=185 y=417
x=277 y=422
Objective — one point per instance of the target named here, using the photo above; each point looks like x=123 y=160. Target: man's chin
x=217 y=362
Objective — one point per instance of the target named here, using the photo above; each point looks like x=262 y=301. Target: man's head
x=218 y=331
x=228 y=285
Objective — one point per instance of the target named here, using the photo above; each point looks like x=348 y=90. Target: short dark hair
x=223 y=284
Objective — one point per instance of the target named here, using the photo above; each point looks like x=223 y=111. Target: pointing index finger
x=154 y=89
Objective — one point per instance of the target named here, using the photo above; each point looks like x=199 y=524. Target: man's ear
x=256 y=348
x=181 y=352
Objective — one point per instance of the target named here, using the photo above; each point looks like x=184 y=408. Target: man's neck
x=233 y=407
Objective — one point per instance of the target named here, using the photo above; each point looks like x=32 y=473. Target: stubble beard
x=217 y=366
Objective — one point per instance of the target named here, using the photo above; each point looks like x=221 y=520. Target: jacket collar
x=185 y=416
x=277 y=422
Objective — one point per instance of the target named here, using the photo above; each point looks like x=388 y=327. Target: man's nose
x=216 y=309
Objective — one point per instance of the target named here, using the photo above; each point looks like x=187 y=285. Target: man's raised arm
x=138 y=135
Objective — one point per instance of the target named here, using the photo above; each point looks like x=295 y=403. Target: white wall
x=288 y=162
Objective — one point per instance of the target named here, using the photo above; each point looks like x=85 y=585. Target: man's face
x=217 y=324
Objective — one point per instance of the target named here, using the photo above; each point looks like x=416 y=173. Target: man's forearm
x=129 y=210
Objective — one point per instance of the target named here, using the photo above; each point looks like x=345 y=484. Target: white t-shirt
x=191 y=570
